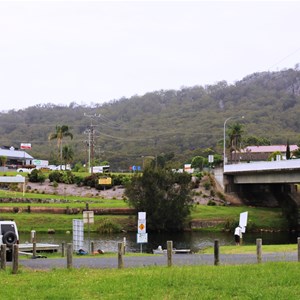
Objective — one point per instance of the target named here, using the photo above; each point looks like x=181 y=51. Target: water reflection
x=187 y=240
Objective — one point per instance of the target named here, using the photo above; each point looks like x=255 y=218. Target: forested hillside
x=181 y=122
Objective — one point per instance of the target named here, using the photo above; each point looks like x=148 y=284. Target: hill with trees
x=171 y=125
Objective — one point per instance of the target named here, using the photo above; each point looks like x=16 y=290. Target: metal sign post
x=88 y=218
x=142 y=236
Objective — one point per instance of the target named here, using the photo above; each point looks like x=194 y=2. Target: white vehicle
x=100 y=169
x=24 y=170
x=9 y=236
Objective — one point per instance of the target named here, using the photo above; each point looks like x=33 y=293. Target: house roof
x=269 y=149
x=15 y=154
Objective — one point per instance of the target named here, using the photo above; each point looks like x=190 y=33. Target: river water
x=185 y=240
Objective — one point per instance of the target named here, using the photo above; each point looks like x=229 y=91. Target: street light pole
x=224 y=138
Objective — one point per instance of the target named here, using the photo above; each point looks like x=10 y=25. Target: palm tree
x=67 y=155
x=59 y=134
x=235 y=137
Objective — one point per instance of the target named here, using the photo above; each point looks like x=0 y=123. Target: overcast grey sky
x=93 y=52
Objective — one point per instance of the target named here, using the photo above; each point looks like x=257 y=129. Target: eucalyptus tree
x=59 y=134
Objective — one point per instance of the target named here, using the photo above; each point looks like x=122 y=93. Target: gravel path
x=154 y=260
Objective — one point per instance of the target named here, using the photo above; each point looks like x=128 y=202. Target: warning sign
x=141 y=226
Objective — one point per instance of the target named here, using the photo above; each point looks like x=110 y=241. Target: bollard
x=258 y=250
x=3 y=257
x=92 y=248
x=69 y=255
x=216 y=253
x=170 y=253
x=298 y=239
x=62 y=249
x=120 y=256
x=15 y=262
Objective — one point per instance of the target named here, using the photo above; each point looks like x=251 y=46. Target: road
x=154 y=260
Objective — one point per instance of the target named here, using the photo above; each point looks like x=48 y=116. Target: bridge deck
x=282 y=165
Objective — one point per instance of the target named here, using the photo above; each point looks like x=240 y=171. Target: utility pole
x=91 y=142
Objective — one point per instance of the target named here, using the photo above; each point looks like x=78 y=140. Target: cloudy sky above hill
x=96 y=51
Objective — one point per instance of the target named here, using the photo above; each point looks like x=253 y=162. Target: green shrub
x=199 y=175
x=56 y=176
x=36 y=176
x=207 y=185
x=211 y=203
x=55 y=184
x=108 y=226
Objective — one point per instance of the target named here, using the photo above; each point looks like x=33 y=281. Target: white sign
x=88 y=217
x=142 y=238
x=243 y=221
x=77 y=234
x=25 y=146
x=142 y=215
x=210 y=158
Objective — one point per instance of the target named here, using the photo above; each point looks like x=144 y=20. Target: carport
x=14 y=179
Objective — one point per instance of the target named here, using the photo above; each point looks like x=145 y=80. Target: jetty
x=40 y=247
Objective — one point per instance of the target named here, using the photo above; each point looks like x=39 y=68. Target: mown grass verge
x=62 y=223
x=264 y=281
x=252 y=249
x=72 y=201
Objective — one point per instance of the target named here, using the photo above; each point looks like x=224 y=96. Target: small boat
x=159 y=250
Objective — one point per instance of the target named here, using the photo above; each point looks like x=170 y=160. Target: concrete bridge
x=284 y=171
x=269 y=184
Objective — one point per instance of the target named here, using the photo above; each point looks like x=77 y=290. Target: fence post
x=32 y=236
x=124 y=242
x=34 y=249
x=170 y=253
x=15 y=262
x=63 y=249
x=3 y=257
x=69 y=255
x=258 y=250
x=216 y=253
x=92 y=248
x=120 y=256
x=298 y=240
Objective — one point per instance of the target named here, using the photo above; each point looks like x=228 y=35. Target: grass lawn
x=252 y=249
x=257 y=216
x=72 y=201
x=263 y=281
x=62 y=223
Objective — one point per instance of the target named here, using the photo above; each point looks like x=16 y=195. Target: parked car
x=9 y=236
x=25 y=170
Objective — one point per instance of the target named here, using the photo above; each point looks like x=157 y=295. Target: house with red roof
x=261 y=153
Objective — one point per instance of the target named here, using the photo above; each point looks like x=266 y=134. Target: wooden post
x=32 y=236
x=69 y=255
x=124 y=243
x=216 y=253
x=92 y=248
x=34 y=249
x=3 y=257
x=120 y=256
x=15 y=261
x=170 y=253
x=298 y=240
x=258 y=250
x=63 y=250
